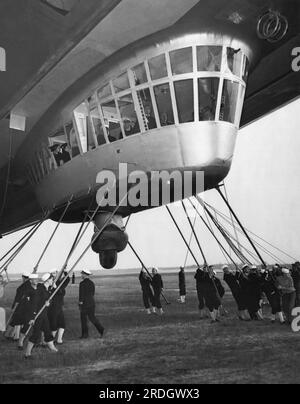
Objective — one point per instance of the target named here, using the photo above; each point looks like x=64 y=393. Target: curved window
x=112 y=121
x=139 y=74
x=184 y=91
x=72 y=140
x=158 y=67
x=164 y=104
x=234 y=61
x=146 y=107
x=128 y=114
x=229 y=101
x=208 y=90
x=182 y=61
x=84 y=127
x=96 y=121
x=209 y=58
x=121 y=83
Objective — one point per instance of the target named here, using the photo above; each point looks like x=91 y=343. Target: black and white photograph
x=149 y=195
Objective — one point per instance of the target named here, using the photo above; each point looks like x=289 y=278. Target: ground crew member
x=41 y=324
x=87 y=305
x=220 y=290
x=182 y=285
x=268 y=286
x=219 y=286
x=231 y=279
x=157 y=285
x=256 y=294
x=199 y=276
x=30 y=298
x=3 y=283
x=148 y=298
x=285 y=285
x=296 y=279
x=18 y=308
x=56 y=312
x=211 y=294
x=251 y=291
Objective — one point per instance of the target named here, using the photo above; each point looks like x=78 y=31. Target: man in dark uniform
x=199 y=276
x=148 y=298
x=220 y=291
x=56 y=312
x=182 y=286
x=233 y=283
x=30 y=298
x=296 y=279
x=87 y=305
x=268 y=287
x=41 y=324
x=157 y=284
x=211 y=294
x=257 y=298
x=19 y=309
x=218 y=283
x=251 y=291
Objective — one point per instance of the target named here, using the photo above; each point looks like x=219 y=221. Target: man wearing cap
x=296 y=279
x=285 y=285
x=199 y=277
x=231 y=279
x=251 y=291
x=29 y=298
x=87 y=305
x=268 y=285
x=212 y=291
x=257 y=294
x=157 y=284
x=18 y=309
x=148 y=299
x=41 y=324
x=56 y=312
x=3 y=283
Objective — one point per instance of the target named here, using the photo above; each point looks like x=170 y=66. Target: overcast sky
x=263 y=187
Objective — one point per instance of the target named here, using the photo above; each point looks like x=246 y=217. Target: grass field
x=176 y=348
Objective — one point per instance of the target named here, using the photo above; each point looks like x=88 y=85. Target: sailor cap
x=33 y=276
x=26 y=274
x=53 y=271
x=86 y=272
x=285 y=271
x=46 y=277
